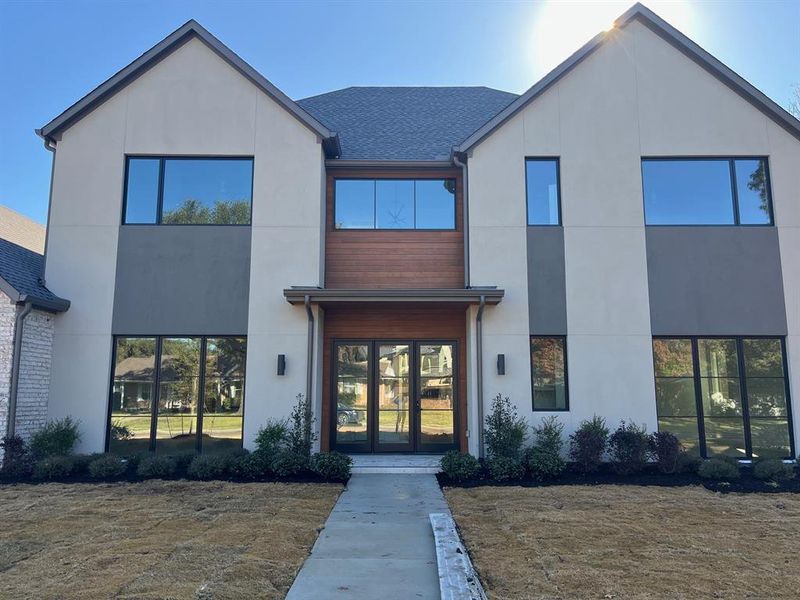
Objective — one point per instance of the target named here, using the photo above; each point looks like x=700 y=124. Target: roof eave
x=160 y=51
x=667 y=32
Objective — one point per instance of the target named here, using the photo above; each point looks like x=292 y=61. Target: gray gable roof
x=21 y=271
x=404 y=123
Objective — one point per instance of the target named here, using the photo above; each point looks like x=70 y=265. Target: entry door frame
x=415 y=444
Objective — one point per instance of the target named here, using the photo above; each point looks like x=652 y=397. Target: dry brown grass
x=157 y=539
x=630 y=542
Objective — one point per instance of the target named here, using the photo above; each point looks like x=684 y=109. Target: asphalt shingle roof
x=405 y=123
x=22 y=269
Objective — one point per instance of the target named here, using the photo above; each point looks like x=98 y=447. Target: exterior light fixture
x=501 y=364
x=281 y=364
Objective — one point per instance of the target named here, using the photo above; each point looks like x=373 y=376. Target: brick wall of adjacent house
x=34 y=369
x=7 y=315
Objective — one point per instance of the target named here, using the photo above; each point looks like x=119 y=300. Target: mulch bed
x=649 y=477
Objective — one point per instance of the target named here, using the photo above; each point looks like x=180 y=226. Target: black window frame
x=742 y=376
x=563 y=339
x=375 y=227
x=157 y=385
x=731 y=160
x=160 y=198
x=557 y=160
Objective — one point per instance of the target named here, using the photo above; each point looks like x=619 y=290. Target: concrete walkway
x=377 y=542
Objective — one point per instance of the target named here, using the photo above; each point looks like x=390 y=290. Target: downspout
x=479 y=352
x=309 y=362
x=12 y=399
x=48 y=145
x=465 y=193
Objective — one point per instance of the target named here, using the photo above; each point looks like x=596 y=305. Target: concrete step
x=396 y=463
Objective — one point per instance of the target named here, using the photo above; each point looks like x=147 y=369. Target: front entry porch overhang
x=317 y=295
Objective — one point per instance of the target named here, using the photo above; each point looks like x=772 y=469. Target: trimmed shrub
x=183 y=460
x=286 y=463
x=17 y=460
x=332 y=466
x=81 y=462
x=208 y=466
x=688 y=462
x=272 y=436
x=505 y=431
x=460 y=467
x=52 y=468
x=719 y=469
x=56 y=438
x=502 y=468
x=544 y=458
x=107 y=466
x=588 y=444
x=156 y=466
x=773 y=469
x=629 y=447
x=252 y=466
x=666 y=448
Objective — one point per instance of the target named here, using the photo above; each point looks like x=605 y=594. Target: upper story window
x=706 y=191
x=395 y=204
x=543 y=191
x=188 y=191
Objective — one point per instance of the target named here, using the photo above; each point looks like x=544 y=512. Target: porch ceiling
x=297 y=295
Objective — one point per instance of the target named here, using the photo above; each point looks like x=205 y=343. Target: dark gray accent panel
x=182 y=279
x=715 y=281
x=547 y=295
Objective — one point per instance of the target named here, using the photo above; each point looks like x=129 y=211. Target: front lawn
x=158 y=539
x=615 y=542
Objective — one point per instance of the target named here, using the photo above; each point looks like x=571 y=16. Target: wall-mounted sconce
x=501 y=364
x=281 y=364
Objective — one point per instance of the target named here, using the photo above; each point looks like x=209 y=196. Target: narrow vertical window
x=676 y=402
x=132 y=395
x=141 y=190
x=223 y=400
x=542 y=188
x=752 y=191
x=549 y=373
x=179 y=390
x=765 y=380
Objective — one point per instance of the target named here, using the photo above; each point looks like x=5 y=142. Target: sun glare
x=563 y=26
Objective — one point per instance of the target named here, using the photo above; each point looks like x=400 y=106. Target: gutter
x=309 y=361
x=12 y=399
x=465 y=193
x=479 y=352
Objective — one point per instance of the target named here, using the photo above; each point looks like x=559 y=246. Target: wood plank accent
x=399 y=322
x=394 y=259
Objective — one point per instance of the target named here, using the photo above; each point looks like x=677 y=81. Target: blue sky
x=53 y=53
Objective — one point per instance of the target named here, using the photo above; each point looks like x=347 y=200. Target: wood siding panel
x=394 y=259
x=395 y=322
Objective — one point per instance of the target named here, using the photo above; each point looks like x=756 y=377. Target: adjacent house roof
x=666 y=31
x=164 y=48
x=21 y=273
x=21 y=230
x=405 y=123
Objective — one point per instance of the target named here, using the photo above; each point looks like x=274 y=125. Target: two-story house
x=622 y=240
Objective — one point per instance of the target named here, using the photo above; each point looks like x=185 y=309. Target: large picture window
x=188 y=191
x=724 y=396
x=549 y=373
x=177 y=394
x=706 y=191
x=394 y=204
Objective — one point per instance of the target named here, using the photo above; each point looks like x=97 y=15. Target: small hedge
x=287 y=463
x=458 y=466
x=629 y=448
x=208 y=466
x=719 y=469
x=107 y=466
x=587 y=445
x=544 y=458
x=332 y=466
x=666 y=449
x=156 y=467
x=53 y=468
x=502 y=468
x=773 y=469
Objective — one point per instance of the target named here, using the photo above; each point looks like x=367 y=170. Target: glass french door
x=394 y=396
